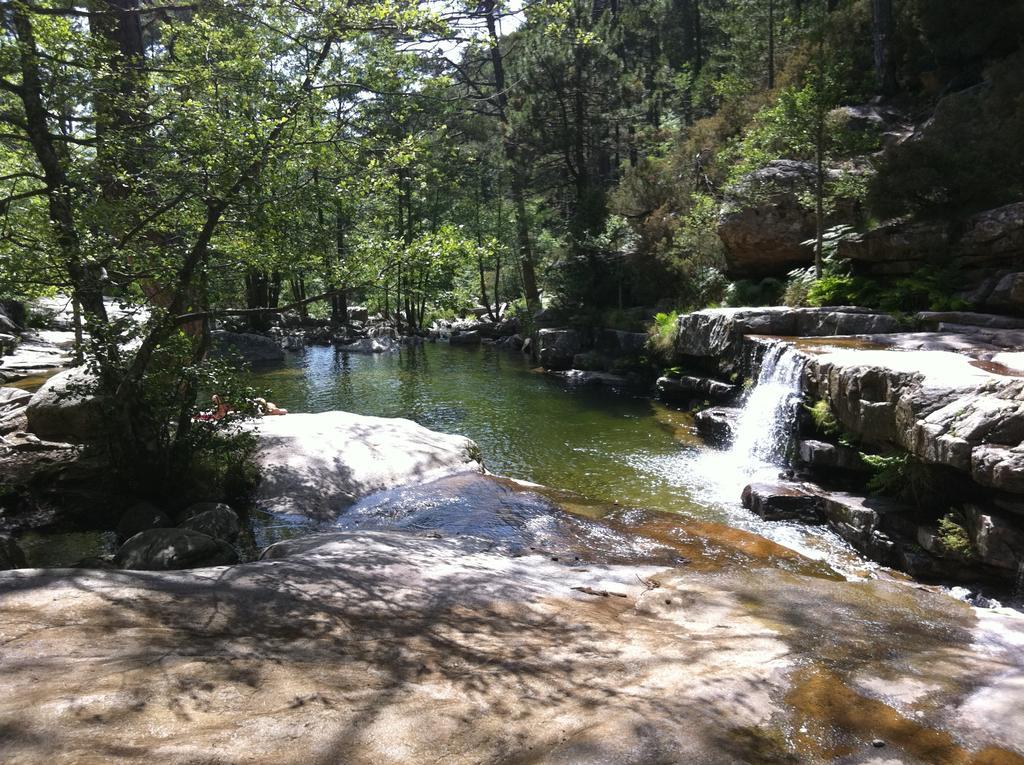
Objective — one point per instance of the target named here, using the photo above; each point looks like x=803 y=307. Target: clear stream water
x=615 y=447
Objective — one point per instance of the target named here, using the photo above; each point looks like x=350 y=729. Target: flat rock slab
x=389 y=647
x=316 y=465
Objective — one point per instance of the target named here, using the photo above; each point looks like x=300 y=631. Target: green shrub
x=749 y=292
x=662 y=334
x=824 y=418
x=954 y=536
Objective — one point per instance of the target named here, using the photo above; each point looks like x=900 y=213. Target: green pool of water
x=617 y=447
x=529 y=425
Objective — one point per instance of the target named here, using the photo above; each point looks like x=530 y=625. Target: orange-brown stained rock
x=838 y=720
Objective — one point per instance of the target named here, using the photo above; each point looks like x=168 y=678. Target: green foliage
x=662 y=334
x=954 y=536
x=903 y=477
x=824 y=418
x=746 y=292
x=968 y=158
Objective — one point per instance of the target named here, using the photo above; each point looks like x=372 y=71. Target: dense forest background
x=588 y=157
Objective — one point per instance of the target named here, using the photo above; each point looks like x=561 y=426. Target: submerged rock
x=372 y=345
x=316 y=465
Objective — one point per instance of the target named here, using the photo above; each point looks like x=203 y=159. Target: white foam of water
x=765 y=427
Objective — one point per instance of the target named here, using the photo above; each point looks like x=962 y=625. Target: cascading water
x=766 y=424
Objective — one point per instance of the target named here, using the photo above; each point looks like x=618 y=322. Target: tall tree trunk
x=771 y=44
x=512 y=157
x=881 y=34
x=86 y=278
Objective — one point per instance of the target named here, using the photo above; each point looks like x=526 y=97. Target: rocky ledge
x=950 y=397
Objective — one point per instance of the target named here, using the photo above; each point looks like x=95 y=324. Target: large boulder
x=173 y=549
x=557 y=347
x=822 y=455
x=763 y=223
x=317 y=465
x=140 y=517
x=250 y=347
x=214 y=519
x=64 y=409
x=997 y=540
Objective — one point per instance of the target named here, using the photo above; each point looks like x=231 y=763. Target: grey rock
x=372 y=345
x=251 y=348
x=64 y=410
x=13 y=399
x=11 y=555
x=358 y=313
x=933 y=319
x=823 y=455
x=582 y=377
x=214 y=519
x=557 y=347
x=618 y=342
x=465 y=338
x=864 y=522
x=998 y=540
x=172 y=549
x=783 y=501
x=140 y=517
x=686 y=389
x=317 y=465
x=7 y=343
x=717 y=425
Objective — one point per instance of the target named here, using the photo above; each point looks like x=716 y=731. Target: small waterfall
x=766 y=424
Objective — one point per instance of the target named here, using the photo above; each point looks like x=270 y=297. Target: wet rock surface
x=399 y=646
x=783 y=501
x=717 y=425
